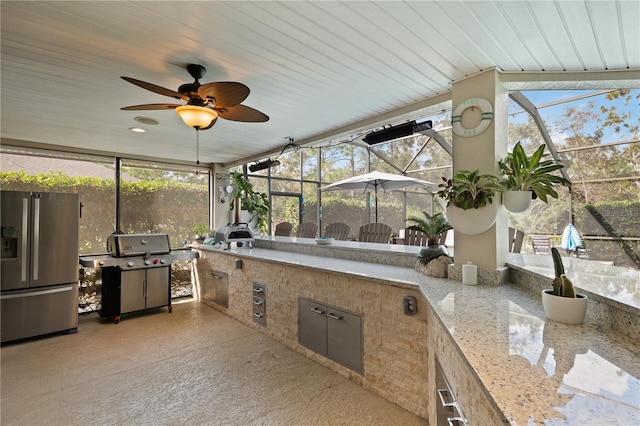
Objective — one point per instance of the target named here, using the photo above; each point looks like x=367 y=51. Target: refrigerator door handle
x=35 y=293
x=25 y=236
x=36 y=237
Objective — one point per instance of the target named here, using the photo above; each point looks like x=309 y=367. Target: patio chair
x=419 y=238
x=283 y=229
x=337 y=230
x=516 y=238
x=541 y=244
x=374 y=233
x=307 y=230
x=443 y=238
x=413 y=237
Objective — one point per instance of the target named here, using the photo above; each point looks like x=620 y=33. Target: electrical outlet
x=410 y=305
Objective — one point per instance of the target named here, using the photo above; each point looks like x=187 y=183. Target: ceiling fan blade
x=150 y=106
x=157 y=89
x=224 y=93
x=242 y=113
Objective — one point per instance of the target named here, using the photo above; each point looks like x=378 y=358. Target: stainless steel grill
x=137 y=251
x=136 y=273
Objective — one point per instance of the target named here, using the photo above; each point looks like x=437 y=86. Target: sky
x=551 y=114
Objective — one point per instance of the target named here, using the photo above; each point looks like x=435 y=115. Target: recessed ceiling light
x=146 y=120
x=137 y=129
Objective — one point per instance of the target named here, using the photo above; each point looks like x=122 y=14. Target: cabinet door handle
x=258 y=302
x=456 y=421
x=334 y=316
x=257 y=290
x=444 y=394
x=317 y=310
x=258 y=314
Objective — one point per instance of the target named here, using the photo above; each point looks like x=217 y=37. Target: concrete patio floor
x=195 y=366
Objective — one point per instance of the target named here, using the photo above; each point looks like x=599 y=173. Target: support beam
x=528 y=106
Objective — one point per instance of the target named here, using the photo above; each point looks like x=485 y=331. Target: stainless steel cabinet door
x=132 y=291
x=55 y=239
x=16 y=247
x=312 y=325
x=344 y=339
x=158 y=287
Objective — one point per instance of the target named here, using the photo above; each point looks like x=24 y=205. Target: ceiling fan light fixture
x=195 y=116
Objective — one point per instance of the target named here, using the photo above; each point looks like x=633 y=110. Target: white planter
x=516 y=201
x=567 y=310
x=249 y=218
x=472 y=221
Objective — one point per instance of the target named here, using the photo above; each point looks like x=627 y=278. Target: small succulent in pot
x=562 y=303
x=562 y=285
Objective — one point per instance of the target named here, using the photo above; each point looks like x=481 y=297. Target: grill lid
x=123 y=245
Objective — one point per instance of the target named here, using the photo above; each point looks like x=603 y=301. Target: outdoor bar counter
x=504 y=361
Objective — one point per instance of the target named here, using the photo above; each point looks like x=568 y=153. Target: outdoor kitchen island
x=503 y=361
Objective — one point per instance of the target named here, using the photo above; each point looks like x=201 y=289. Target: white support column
x=482 y=151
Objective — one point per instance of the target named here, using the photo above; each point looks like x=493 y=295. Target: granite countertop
x=536 y=371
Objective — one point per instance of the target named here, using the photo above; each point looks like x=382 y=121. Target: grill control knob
x=130 y=264
x=147 y=262
x=163 y=261
x=155 y=261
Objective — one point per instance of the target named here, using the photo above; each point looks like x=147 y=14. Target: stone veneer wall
x=395 y=345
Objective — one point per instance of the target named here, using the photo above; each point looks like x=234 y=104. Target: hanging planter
x=469 y=195
x=472 y=221
x=523 y=173
x=516 y=201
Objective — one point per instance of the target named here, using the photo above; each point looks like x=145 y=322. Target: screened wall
x=154 y=198
x=595 y=133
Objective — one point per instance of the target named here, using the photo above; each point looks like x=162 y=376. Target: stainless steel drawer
x=447 y=408
x=259 y=304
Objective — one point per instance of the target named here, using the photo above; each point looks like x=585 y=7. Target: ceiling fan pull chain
x=197 y=150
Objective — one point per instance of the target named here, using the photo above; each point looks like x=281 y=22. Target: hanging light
x=198 y=117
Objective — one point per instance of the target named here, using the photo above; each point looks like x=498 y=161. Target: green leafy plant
x=562 y=285
x=432 y=225
x=469 y=189
x=256 y=203
x=531 y=173
x=201 y=230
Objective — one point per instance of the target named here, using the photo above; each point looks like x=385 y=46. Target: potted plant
x=528 y=177
x=256 y=203
x=469 y=196
x=201 y=231
x=561 y=303
x=431 y=225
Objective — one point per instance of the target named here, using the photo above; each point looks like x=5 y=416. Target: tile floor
x=195 y=366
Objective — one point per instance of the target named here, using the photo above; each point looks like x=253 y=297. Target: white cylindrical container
x=469 y=274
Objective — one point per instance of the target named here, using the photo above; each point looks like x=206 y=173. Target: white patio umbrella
x=384 y=182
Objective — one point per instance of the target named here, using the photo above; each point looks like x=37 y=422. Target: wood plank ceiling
x=320 y=70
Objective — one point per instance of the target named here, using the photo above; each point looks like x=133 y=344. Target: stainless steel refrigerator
x=39 y=263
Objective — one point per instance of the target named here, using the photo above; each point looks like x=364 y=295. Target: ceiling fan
x=205 y=102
